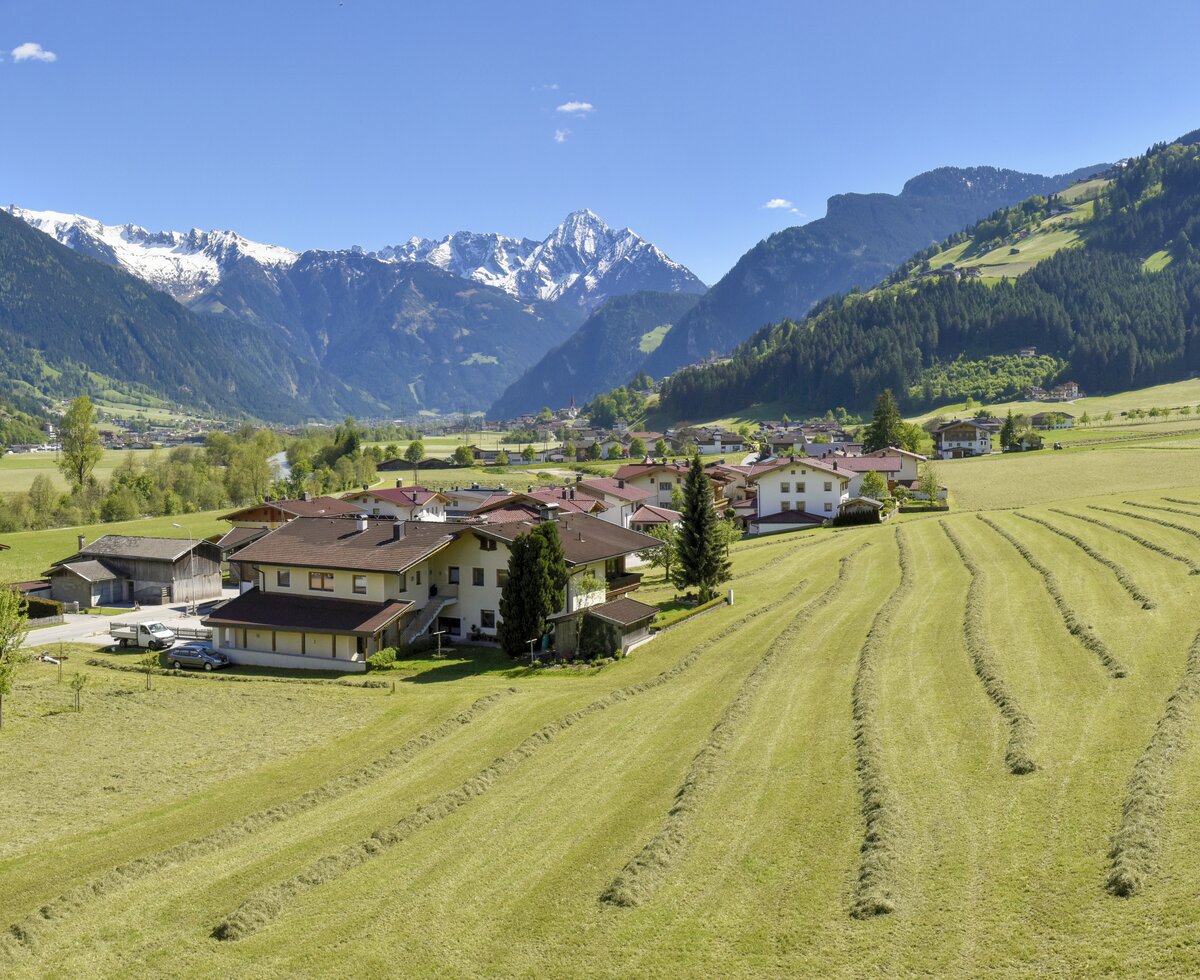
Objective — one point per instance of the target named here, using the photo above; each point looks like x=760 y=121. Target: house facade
x=796 y=492
x=331 y=592
x=960 y=438
x=401 y=503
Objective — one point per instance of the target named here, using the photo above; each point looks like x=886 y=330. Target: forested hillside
x=606 y=351
x=64 y=313
x=1117 y=320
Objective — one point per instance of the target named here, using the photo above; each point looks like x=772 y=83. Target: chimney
x=82 y=540
x=564 y=493
x=306 y=496
x=399 y=484
x=398 y=531
x=548 y=512
x=578 y=477
x=360 y=523
x=620 y=484
x=572 y=493
x=580 y=537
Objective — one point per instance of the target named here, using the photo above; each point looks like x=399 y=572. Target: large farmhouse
x=330 y=592
x=120 y=568
x=796 y=492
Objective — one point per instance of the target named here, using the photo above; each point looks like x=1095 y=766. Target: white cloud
x=560 y=135
x=576 y=108
x=776 y=203
x=552 y=86
x=31 y=51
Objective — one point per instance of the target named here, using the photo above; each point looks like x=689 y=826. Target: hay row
x=1076 y=627
x=1169 y=510
x=264 y=906
x=26 y=933
x=872 y=887
x=1020 y=728
x=1136 y=538
x=1123 y=576
x=643 y=874
x=1148 y=519
x=1137 y=842
x=205 y=675
x=1176 y=500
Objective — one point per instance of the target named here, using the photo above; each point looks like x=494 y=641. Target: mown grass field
x=18 y=470
x=739 y=797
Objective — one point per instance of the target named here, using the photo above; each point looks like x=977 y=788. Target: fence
x=46 y=621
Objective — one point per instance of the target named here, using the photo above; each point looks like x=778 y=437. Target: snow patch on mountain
x=182 y=264
x=583 y=261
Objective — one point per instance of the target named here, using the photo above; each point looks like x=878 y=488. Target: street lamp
x=191 y=606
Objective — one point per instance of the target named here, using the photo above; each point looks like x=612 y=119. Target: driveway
x=94 y=629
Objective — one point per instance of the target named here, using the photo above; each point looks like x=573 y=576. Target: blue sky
x=314 y=123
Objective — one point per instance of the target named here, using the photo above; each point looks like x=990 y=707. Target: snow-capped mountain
x=183 y=264
x=583 y=261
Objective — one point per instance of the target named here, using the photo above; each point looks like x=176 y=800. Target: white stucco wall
x=806 y=491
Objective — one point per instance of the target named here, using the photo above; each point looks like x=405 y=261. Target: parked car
x=196 y=655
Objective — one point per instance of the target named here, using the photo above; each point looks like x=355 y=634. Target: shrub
x=598 y=638
x=42 y=608
x=382 y=659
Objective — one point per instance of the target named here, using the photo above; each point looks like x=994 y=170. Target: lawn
x=719 y=803
x=31 y=552
x=17 y=470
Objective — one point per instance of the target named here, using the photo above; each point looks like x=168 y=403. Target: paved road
x=94 y=629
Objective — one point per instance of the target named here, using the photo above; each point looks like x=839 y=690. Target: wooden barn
x=118 y=568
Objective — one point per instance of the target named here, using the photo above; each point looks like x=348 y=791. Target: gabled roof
x=866 y=464
x=238 y=537
x=133 y=546
x=273 y=610
x=649 y=514
x=613 y=487
x=562 y=498
x=584 y=538
x=631 y=471
x=956 y=422
x=403 y=496
x=314 y=507
x=336 y=542
x=623 y=611
x=759 y=470
x=88 y=570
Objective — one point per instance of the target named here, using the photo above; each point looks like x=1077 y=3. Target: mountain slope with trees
x=1117 y=320
x=859 y=241
x=605 y=352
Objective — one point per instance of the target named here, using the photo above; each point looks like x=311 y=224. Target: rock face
x=859 y=241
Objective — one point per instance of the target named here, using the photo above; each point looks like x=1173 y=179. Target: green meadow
x=953 y=744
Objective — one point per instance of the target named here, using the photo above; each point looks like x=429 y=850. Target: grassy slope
x=991 y=872
x=18 y=470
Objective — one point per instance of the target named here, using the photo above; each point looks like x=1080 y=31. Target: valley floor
x=722 y=802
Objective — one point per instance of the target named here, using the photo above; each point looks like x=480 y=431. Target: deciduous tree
x=80 y=441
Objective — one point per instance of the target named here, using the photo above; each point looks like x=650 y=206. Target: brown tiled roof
x=238 y=537
x=405 y=496
x=759 y=469
x=864 y=464
x=315 y=507
x=630 y=471
x=272 y=610
x=562 y=498
x=623 y=611
x=613 y=487
x=584 y=538
x=89 y=571
x=323 y=542
x=649 y=514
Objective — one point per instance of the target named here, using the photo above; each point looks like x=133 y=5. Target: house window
x=785 y=487
x=477 y=576
x=283 y=578
x=786 y=505
x=828 y=506
x=360 y=585
x=418 y=574
x=828 y=485
x=403 y=581
x=453 y=575
x=800 y=487
x=501 y=577
x=800 y=505
x=320 y=581
x=487 y=544
x=487 y=619
x=664 y=485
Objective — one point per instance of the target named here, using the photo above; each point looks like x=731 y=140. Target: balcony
x=619 y=585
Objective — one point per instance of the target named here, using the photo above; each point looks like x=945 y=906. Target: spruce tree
x=699 y=558
x=535 y=589
x=1008 y=431
x=886 y=427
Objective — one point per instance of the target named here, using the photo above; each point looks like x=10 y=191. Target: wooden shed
x=118 y=568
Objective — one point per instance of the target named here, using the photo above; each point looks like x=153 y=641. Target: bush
x=382 y=660
x=598 y=638
x=42 y=608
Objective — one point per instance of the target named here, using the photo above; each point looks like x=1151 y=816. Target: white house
x=401 y=502
x=796 y=492
x=660 y=479
x=954 y=440
x=621 y=497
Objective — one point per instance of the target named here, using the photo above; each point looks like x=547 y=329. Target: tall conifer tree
x=700 y=560
x=886 y=427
